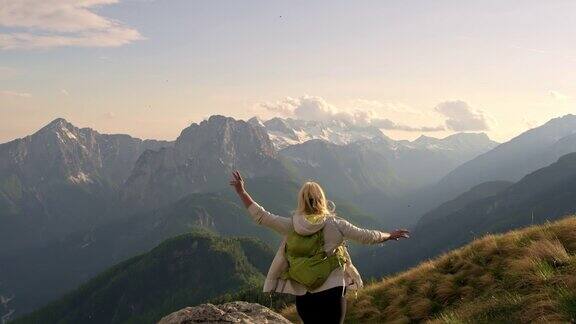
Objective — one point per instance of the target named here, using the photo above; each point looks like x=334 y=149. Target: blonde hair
x=312 y=200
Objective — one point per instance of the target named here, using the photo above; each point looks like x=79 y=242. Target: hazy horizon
x=245 y=119
x=149 y=68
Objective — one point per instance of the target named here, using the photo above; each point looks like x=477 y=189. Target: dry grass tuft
x=550 y=251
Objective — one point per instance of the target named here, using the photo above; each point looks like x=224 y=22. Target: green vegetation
x=182 y=271
x=523 y=276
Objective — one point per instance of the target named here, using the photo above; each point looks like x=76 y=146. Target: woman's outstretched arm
x=367 y=236
x=260 y=215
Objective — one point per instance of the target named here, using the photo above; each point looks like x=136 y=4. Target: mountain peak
x=216 y=124
x=59 y=126
x=256 y=121
x=58 y=120
x=568 y=120
x=424 y=139
x=220 y=119
x=57 y=123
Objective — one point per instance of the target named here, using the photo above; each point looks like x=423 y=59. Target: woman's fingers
x=398 y=234
x=237 y=175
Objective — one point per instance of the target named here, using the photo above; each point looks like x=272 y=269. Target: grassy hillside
x=522 y=276
x=182 y=271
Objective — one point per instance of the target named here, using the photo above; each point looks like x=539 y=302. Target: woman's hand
x=398 y=234
x=237 y=182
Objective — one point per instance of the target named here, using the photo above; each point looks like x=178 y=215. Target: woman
x=318 y=277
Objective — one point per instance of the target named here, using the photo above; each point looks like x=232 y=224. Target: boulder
x=233 y=312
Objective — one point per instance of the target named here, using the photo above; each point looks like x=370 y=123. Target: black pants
x=326 y=307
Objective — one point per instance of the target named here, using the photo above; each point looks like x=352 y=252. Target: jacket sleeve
x=361 y=235
x=261 y=216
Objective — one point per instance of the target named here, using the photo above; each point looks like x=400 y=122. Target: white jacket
x=336 y=230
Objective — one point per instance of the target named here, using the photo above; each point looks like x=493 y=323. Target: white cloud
x=40 y=24
x=558 y=96
x=318 y=109
x=14 y=94
x=461 y=117
x=64 y=92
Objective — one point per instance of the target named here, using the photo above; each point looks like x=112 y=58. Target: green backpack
x=308 y=263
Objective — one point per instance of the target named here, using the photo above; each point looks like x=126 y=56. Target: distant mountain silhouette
x=345 y=171
x=377 y=173
x=543 y=195
x=516 y=158
x=510 y=161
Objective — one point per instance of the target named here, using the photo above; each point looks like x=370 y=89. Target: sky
x=149 y=68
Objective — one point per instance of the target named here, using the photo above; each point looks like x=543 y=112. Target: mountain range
x=74 y=202
x=285 y=132
x=492 y=207
x=415 y=163
x=61 y=179
x=378 y=173
x=509 y=161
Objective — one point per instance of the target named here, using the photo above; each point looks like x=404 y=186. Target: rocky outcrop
x=234 y=312
x=201 y=161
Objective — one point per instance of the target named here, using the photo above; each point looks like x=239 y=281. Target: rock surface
x=201 y=160
x=234 y=312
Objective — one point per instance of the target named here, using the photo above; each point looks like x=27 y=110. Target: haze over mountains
x=491 y=207
x=414 y=163
x=523 y=154
x=74 y=201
